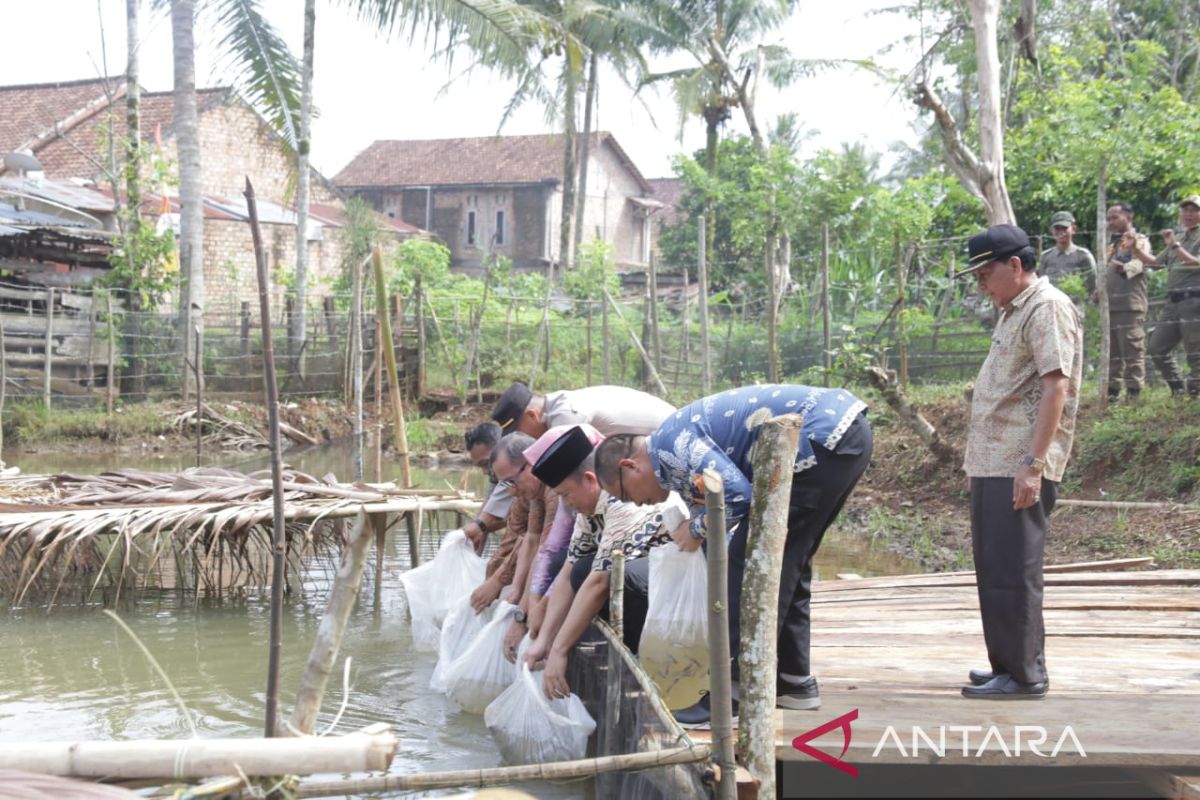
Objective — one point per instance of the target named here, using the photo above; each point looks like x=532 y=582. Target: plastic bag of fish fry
x=530 y=729
x=674 y=645
x=433 y=589
x=481 y=672
x=461 y=627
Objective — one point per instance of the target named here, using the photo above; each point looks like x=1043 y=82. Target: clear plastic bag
x=530 y=729
x=461 y=627
x=481 y=672
x=674 y=644
x=438 y=586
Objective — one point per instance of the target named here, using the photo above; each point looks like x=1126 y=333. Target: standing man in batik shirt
x=719 y=432
x=1022 y=424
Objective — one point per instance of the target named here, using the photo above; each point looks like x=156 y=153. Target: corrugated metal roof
x=62 y=192
x=24 y=217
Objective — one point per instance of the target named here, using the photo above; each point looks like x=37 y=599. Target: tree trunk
x=191 y=210
x=985 y=16
x=584 y=151
x=303 y=181
x=911 y=417
x=774 y=456
x=133 y=166
x=570 y=89
x=1102 y=272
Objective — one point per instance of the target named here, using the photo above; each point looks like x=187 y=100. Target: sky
x=367 y=87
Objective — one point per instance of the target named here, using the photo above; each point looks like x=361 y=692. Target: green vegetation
x=31 y=422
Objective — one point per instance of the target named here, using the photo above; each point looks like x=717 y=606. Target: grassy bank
x=911 y=502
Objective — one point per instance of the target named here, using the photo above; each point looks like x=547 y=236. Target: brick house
x=505 y=193
x=69 y=128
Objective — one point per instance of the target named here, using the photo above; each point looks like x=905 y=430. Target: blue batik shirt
x=719 y=432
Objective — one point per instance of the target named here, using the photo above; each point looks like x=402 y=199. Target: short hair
x=1124 y=207
x=587 y=465
x=1028 y=258
x=513 y=446
x=484 y=433
x=608 y=455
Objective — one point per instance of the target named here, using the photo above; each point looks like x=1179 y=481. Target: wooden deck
x=1122 y=649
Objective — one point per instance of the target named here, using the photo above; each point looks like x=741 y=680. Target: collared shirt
x=1037 y=333
x=626 y=527
x=1056 y=264
x=608 y=409
x=1126 y=293
x=720 y=431
x=503 y=562
x=556 y=535
x=1180 y=276
x=499 y=500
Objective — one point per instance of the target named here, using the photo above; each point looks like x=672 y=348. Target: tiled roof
x=30 y=112
x=488 y=160
x=668 y=191
x=74 y=155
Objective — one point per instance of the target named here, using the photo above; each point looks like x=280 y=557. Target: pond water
x=74 y=674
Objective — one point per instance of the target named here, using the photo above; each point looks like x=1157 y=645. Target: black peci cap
x=562 y=457
x=995 y=244
x=511 y=405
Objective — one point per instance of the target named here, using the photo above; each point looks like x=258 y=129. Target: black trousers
x=1009 y=554
x=817 y=497
x=637 y=595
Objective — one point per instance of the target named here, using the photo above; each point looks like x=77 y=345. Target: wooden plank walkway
x=1123 y=652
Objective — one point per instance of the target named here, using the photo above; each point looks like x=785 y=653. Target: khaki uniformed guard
x=1180 y=318
x=1127 y=304
x=1066 y=257
x=1022 y=425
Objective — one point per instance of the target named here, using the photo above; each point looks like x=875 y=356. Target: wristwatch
x=520 y=617
x=1038 y=464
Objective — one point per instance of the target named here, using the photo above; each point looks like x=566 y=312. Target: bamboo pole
x=91 y=356
x=616 y=594
x=826 y=309
x=770 y=498
x=901 y=269
x=356 y=363
x=414 y=539
x=3 y=385
x=500 y=775
x=652 y=295
x=333 y=626
x=720 y=681
x=185 y=759
x=400 y=435
x=379 y=524
x=112 y=357
x=277 y=539
x=589 y=343
x=702 y=277
x=377 y=369
x=605 y=350
x=48 y=356
x=419 y=315
x=638 y=344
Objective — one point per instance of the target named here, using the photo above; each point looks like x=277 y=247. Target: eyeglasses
x=507 y=483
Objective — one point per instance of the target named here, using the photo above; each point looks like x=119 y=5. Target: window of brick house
x=499 y=227
x=470 y=227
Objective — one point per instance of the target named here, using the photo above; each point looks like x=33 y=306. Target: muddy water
x=75 y=674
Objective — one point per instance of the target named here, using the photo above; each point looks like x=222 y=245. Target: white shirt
x=609 y=409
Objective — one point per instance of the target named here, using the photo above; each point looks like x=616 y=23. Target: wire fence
x=902 y=312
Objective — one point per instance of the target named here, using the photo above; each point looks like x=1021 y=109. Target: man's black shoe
x=699 y=715
x=1005 y=687
x=979 y=677
x=802 y=696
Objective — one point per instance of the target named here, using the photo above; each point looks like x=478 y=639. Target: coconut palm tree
x=267 y=77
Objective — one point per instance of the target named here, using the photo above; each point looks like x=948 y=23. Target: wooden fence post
x=826 y=309
x=48 y=356
x=606 y=353
x=901 y=268
x=652 y=293
x=638 y=344
x=420 y=321
x=111 y=377
x=91 y=357
x=720 y=680
x=702 y=276
x=400 y=437
x=774 y=458
x=589 y=342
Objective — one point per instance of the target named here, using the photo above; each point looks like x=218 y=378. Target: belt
x=1182 y=294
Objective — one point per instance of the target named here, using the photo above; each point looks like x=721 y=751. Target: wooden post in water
x=720 y=682
x=826 y=310
x=400 y=435
x=333 y=625
x=774 y=458
x=379 y=523
x=278 y=543
x=111 y=378
x=196 y=364
x=414 y=539
x=702 y=277
x=48 y=356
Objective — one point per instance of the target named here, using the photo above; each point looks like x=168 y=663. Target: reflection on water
x=74 y=674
